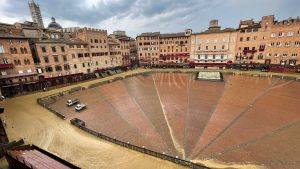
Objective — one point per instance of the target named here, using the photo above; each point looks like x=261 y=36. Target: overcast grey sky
x=137 y=16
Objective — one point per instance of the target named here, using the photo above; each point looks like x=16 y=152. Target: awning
x=60 y=77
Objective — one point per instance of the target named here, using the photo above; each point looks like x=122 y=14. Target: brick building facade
x=16 y=63
x=157 y=48
x=214 y=46
x=148 y=48
x=269 y=41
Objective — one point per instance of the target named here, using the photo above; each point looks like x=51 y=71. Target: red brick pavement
x=173 y=92
x=278 y=107
x=279 y=150
x=239 y=93
x=144 y=92
x=206 y=118
x=203 y=98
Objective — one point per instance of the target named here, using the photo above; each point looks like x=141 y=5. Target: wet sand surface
x=244 y=122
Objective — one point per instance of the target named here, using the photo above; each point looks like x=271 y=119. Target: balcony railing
x=249 y=51
x=6 y=66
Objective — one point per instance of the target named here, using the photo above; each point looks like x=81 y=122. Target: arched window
x=15 y=51
x=28 y=61
x=25 y=50
x=19 y=62
x=22 y=50
x=12 y=51
x=25 y=61
x=16 y=62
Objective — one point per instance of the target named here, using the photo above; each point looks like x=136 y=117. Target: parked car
x=80 y=107
x=72 y=102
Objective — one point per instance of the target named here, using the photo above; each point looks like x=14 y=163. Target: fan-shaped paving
x=243 y=120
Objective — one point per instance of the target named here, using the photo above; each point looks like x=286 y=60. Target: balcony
x=6 y=66
x=249 y=51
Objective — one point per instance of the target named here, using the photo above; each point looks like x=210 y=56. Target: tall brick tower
x=36 y=13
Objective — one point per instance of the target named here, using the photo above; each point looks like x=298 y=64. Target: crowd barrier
x=78 y=123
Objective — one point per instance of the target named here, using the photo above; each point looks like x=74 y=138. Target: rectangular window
x=206 y=47
x=58 y=68
x=44 y=49
x=248 y=38
x=241 y=39
x=49 y=69
x=290 y=34
x=73 y=56
x=66 y=67
x=273 y=35
x=232 y=40
x=55 y=57
x=64 y=58
x=224 y=40
x=46 y=59
x=2 y=49
x=62 y=49
x=53 y=49
x=216 y=40
x=207 y=40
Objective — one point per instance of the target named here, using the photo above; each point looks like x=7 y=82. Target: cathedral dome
x=54 y=25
